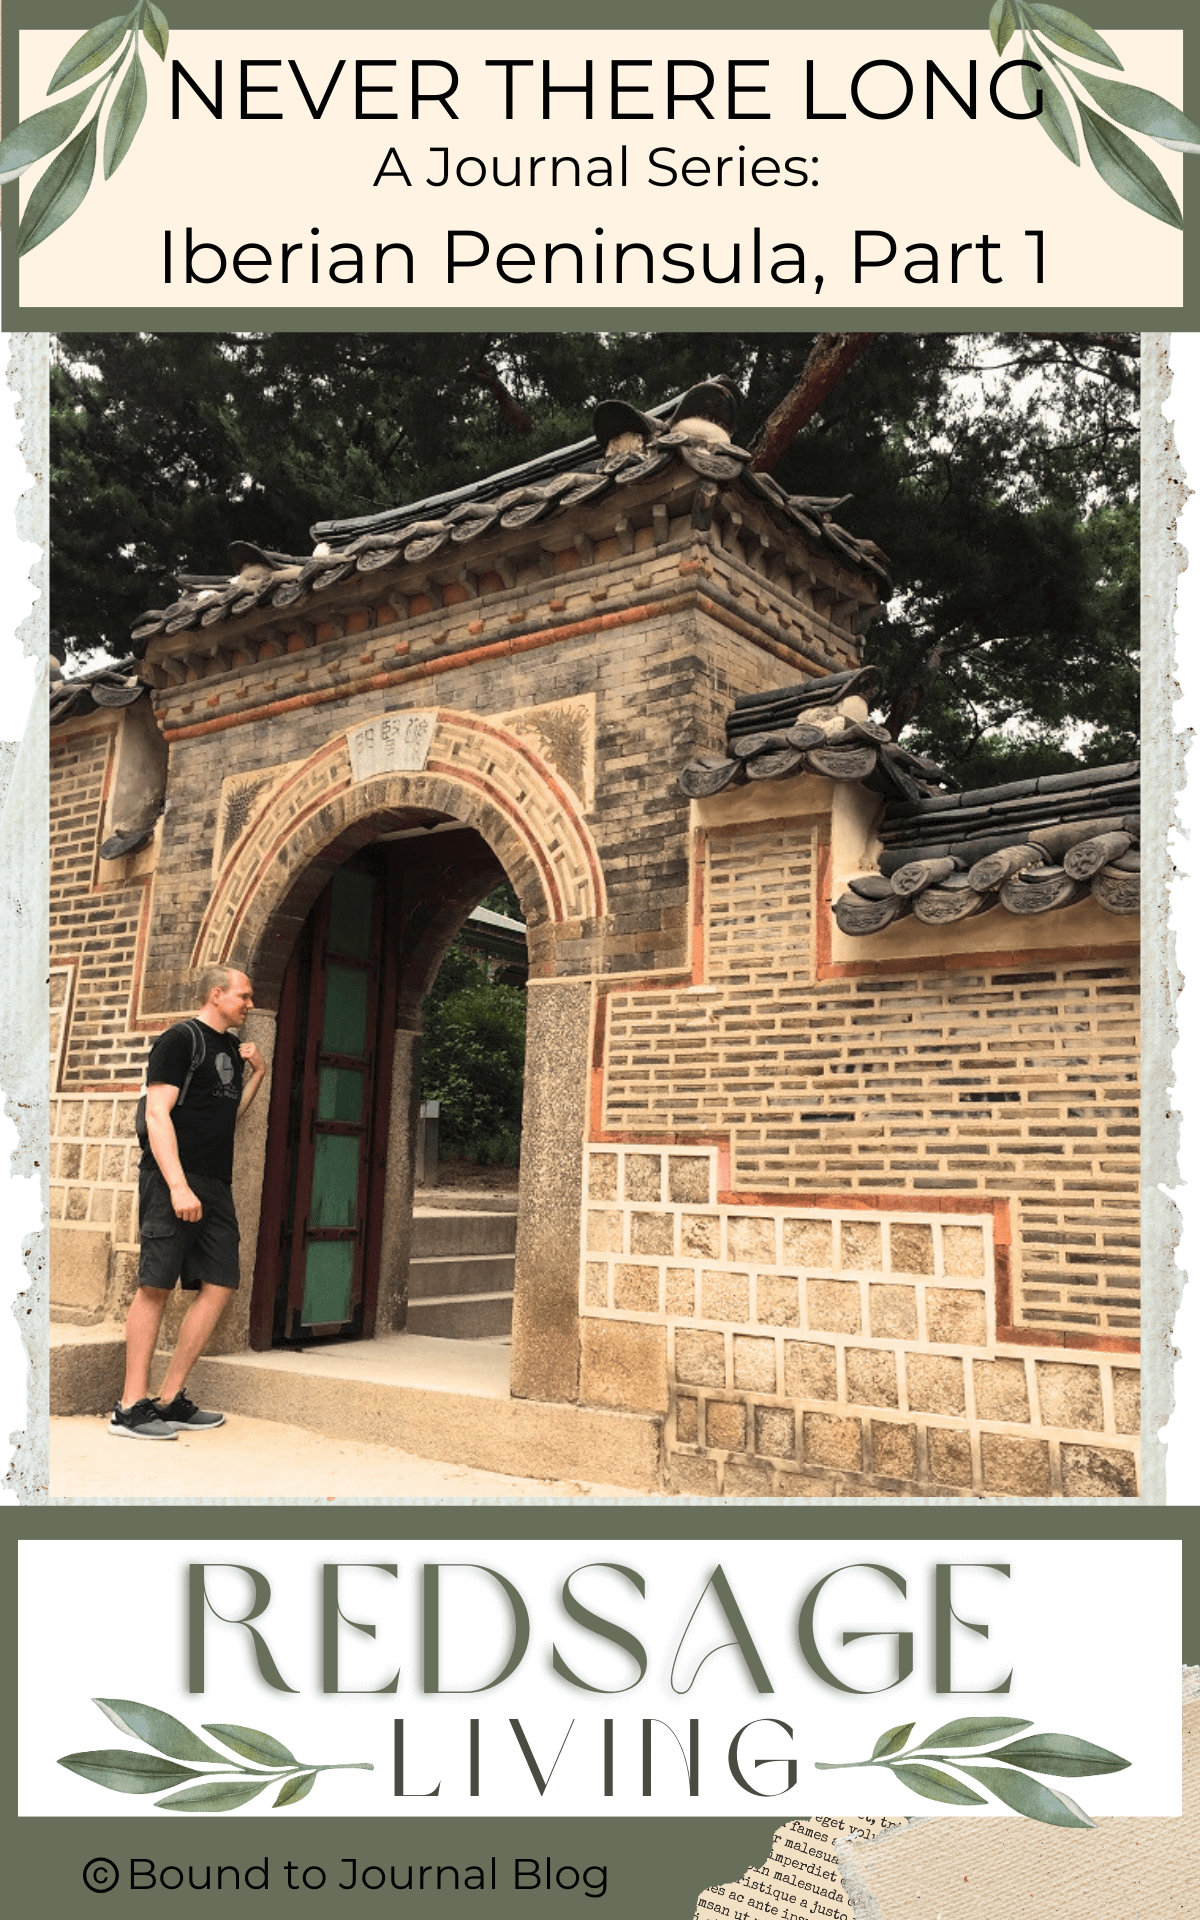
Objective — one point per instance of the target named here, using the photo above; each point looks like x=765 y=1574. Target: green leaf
x=89 y=51
x=125 y=116
x=154 y=26
x=254 y=1746
x=1016 y=1790
x=60 y=190
x=892 y=1740
x=126 y=1772
x=1127 y=170
x=159 y=1730
x=933 y=1784
x=1002 y=24
x=1054 y=118
x=1069 y=31
x=295 y=1789
x=34 y=138
x=1059 y=1753
x=214 y=1796
x=1145 y=112
x=975 y=1732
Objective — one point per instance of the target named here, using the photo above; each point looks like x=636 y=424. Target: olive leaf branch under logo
x=1120 y=163
x=1060 y=1754
x=126 y=1770
x=63 y=187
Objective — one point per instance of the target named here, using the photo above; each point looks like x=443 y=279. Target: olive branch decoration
x=1053 y=1753
x=1120 y=163
x=126 y=1770
x=63 y=186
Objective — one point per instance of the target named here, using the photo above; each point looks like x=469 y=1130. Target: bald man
x=197 y=1086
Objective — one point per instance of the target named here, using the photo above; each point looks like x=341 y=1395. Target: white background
x=1052 y=1622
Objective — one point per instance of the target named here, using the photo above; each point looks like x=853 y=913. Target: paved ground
x=265 y=1459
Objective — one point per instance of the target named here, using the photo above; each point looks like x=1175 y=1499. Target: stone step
x=470 y=1316
x=440 y=1232
x=457 y=1273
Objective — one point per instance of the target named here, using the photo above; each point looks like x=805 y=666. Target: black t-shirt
x=205 y=1120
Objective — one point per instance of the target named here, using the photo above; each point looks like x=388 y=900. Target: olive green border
x=622 y=15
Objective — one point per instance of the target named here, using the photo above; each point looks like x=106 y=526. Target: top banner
x=279 y=176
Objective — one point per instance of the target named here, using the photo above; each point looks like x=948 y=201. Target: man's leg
x=194 y=1334
x=141 y=1335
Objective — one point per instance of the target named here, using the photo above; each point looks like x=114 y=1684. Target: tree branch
x=830 y=360
x=510 y=408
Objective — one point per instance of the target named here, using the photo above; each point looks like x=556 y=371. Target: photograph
x=594 y=915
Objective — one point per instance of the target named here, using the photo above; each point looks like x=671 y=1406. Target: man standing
x=195 y=1090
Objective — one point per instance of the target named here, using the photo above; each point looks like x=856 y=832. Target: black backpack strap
x=197 y=1039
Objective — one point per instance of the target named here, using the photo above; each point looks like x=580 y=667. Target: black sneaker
x=184 y=1416
x=141 y=1421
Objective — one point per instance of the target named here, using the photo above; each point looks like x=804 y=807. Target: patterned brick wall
x=820 y=1350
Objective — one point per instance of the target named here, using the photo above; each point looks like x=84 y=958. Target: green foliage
x=998 y=472
x=473 y=1061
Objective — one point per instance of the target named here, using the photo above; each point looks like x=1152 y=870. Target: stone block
x=935 y=1383
x=700 y=1234
x=1001 y=1390
x=687 y=1419
x=775 y=1431
x=808 y=1242
x=949 y=1456
x=893 y=1312
x=748 y=1480
x=1069 y=1396
x=69 y=1159
x=652 y=1233
x=689 y=1177
x=1012 y=1465
x=79 y=1267
x=1127 y=1399
x=595 y=1284
x=724 y=1296
x=831 y=1441
x=700 y=1358
x=602 y=1176
x=1099 y=1473
x=962 y=1252
x=604 y=1231
x=809 y=1370
x=692 y=1473
x=750 y=1237
x=834 y=1306
x=753 y=1362
x=894 y=1449
x=681 y=1292
x=862 y=1245
x=911 y=1248
x=871 y=1377
x=805 y=1486
x=778 y=1300
x=955 y=1316
x=643 y=1176
x=635 y=1288
x=623 y=1363
x=99 y=1123
x=725 y=1424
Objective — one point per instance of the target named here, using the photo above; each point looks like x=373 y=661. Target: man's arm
x=253 y=1058
x=160 y=1100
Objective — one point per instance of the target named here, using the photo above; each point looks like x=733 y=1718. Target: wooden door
x=317 y=1274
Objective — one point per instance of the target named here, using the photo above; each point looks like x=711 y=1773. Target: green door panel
x=351 y=907
x=345 y=1024
x=340 y=1095
x=335 y=1180
x=327 y=1270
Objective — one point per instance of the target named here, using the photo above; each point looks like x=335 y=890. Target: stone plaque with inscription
x=395 y=743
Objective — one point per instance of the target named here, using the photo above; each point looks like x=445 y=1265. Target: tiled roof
x=1029 y=846
x=117 y=685
x=517 y=498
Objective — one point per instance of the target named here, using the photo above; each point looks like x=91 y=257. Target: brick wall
x=913 y=1262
